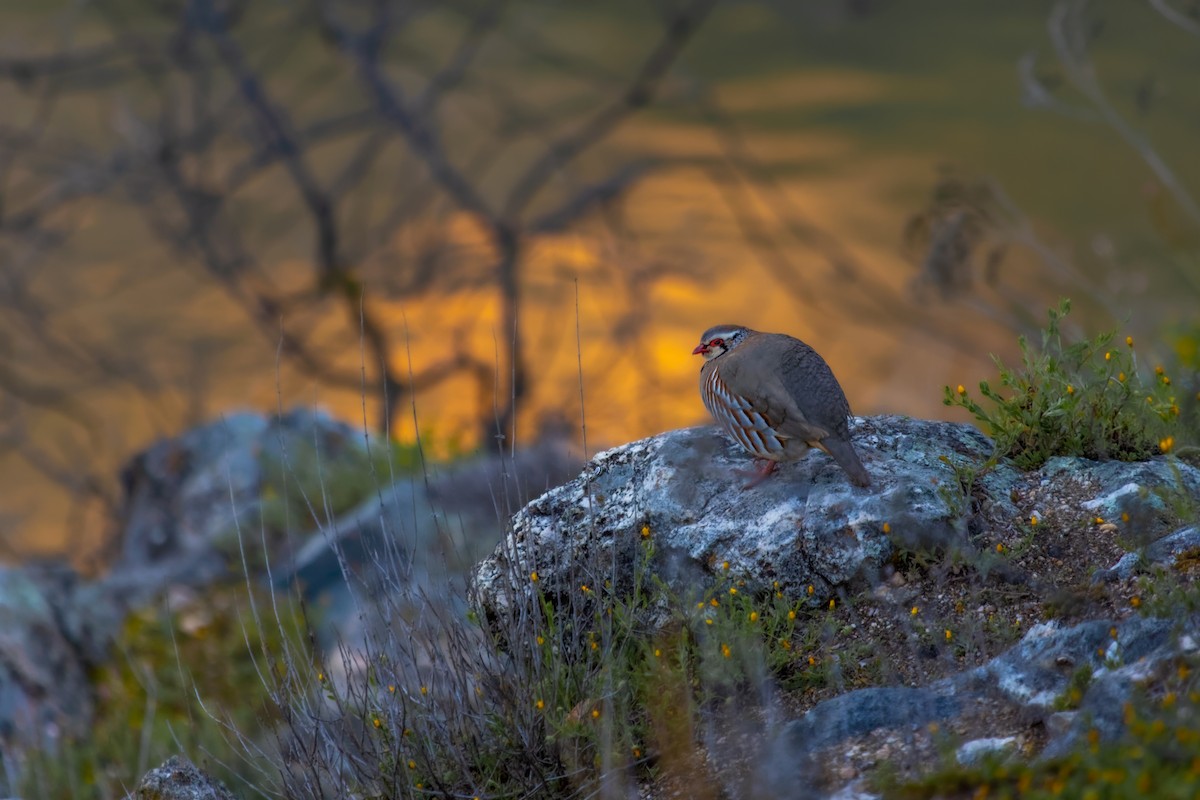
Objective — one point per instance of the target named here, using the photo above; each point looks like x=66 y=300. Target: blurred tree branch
x=1184 y=20
x=366 y=128
x=1072 y=29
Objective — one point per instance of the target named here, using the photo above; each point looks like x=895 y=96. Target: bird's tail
x=843 y=453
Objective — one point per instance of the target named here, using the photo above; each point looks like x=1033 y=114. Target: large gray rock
x=804 y=526
x=187 y=498
x=428 y=527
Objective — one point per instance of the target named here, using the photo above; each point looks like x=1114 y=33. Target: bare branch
x=589 y=197
x=364 y=50
x=1066 y=27
x=640 y=92
x=480 y=25
x=1176 y=17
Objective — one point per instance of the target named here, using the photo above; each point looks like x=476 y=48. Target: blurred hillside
x=399 y=212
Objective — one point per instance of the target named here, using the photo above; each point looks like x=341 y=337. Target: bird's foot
x=757 y=476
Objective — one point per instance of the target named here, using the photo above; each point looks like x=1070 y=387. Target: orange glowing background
x=846 y=120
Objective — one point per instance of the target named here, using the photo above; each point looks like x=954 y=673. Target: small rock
x=971 y=753
x=180 y=779
x=1059 y=723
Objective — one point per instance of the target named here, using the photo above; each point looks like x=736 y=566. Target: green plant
x=1072 y=696
x=153 y=698
x=1084 y=399
x=307 y=486
x=604 y=681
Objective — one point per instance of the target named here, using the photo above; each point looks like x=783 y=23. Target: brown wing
x=792 y=386
x=738 y=415
x=759 y=371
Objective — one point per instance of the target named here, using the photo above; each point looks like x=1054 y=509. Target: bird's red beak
x=701 y=349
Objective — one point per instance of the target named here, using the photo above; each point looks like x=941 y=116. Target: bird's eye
x=716 y=343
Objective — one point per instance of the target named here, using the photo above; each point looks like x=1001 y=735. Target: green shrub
x=310 y=486
x=1084 y=399
x=151 y=698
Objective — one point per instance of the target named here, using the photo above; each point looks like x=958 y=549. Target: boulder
x=804 y=526
x=187 y=497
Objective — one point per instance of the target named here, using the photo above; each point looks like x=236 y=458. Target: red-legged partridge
x=776 y=397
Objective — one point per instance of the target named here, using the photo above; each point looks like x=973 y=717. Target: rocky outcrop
x=194 y=508
x=1063 y=546
x=1066 y=541
x=194 y=505
x=804 y=526
x=997 y=708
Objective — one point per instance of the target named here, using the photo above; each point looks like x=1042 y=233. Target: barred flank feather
x=739 y=419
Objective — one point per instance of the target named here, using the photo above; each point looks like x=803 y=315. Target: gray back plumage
x=769 y=388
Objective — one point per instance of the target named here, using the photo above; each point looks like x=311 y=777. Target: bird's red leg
x=757 y=476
